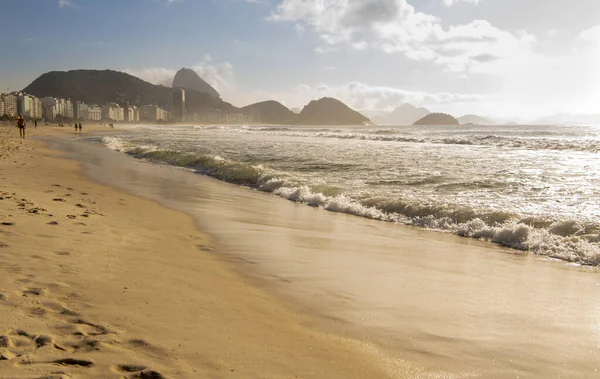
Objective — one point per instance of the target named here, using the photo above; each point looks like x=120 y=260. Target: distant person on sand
x=80 y=127
x=21 y=125
x=35 y=123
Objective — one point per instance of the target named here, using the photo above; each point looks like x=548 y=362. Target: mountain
x=437 y=119
x=569 y=119
x=189 y=79
x=330 y=111
x=105 y=86
x=474 y=119
x=97 y=87
x=405 y=114
x=271 y=112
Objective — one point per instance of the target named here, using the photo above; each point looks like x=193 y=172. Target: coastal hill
x=475 y=120
x=105 y=86
x=190 y=80
x=325 y=111
x=405 y=114
x=97 y=87
x=330 y=111
x=271 y=112
x=437 y=119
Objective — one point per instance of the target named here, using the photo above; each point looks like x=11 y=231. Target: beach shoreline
x=100 y=283
x=432 y=304
x=398 y=301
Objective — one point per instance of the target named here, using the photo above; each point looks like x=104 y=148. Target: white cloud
x=366 y=97
x=592 y=34
x=395 y=26
x=219 y=75
x=66 y=4
x=449 y=3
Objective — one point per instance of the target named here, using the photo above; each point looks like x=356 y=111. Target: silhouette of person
x=21 y=124
x=35 y=123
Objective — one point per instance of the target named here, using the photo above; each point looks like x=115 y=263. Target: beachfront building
x=152 y=113
x=112 y=111
x=48 y=112
x=49 y=108
x=133 y=114
x=25 y=105
x=37 y=108
x=80 y=110
x=94 y=113
x=67 y=108
x=10 y=104
x=179 y=111
x=2 y=107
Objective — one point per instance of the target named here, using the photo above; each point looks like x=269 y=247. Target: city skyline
x=458 y=56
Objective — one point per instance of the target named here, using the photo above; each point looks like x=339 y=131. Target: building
x=37 y=108
x=25 y=105
x=179 y=112
x=10 y=104
x=68 y=108
x=113 y=112
x=94 y=113
x=80 y=110
x=152 y=113
x=2 y=108
x=133 y=114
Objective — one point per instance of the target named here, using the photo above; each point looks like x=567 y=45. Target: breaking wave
x=568 y=240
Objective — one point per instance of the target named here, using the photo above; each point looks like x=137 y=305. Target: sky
x=497 y=58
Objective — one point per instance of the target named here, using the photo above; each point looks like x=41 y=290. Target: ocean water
x=532 y=188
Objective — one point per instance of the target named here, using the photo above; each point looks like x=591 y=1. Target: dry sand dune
x=95 y=283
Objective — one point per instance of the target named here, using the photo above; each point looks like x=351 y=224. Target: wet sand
x=97 y=283
x=429 y=304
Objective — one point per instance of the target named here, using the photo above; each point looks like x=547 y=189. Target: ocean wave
x=582 y=144
x=570 y=240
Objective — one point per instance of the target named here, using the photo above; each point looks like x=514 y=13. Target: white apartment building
x=94 y=113
x=113 y=111
x=152 y=113
x=10 y=104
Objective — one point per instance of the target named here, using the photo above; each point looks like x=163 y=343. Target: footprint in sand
x=73 y=362
x=59 y=199
x=130 y=368
x=5 y=342
x=139 y=371
x=150 y=374
x=87 y=328
x=62 y=362
x=34 y=291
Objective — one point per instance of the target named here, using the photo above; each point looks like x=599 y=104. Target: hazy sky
x=521 y=58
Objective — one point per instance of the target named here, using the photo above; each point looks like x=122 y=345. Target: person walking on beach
x=21 y=125
x=35 y=123
x=80 y=127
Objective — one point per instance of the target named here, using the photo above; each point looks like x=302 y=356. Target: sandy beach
x=96 y=283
